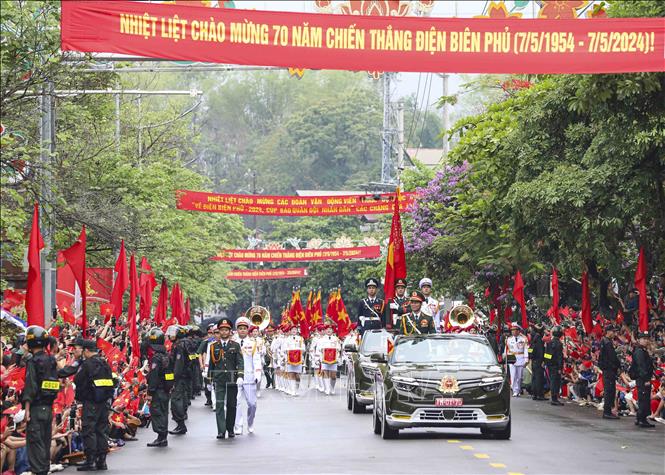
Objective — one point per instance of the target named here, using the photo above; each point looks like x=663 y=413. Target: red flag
x=162 y=303
x=343 y=320
x=34 y=299
x=106 y=309
x=131 y=311
x=641 y=285
x=188 y=313
x=177 y=305
x=299 y=314
x=472 y=301
x=121 y=281
x=586 y=304
x=75 y=258
x=147 y=284
x=396 y=259
x=168 y=323
x=555 y=295
x=331 y=309
x=67 y=315
x=309 y=307
x=14 y=378
x=317 y=310
x=518 y=293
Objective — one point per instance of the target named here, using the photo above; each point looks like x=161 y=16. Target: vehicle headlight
x=405 y=384
x=492 y=384
x=368 y=370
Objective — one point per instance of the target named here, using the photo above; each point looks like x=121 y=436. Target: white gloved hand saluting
x=240 y=381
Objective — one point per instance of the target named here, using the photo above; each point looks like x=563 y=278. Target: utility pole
x=400 y=139
x=47 y=149
x=387 y=132
x=445 y=116
x=255 y=284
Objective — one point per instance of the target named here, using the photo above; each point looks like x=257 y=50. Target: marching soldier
x=194 y=341
x=41 y=389
x=227 y=373
x=253 y=370
x=314 y=358
x=416 y=321
x=204 y=361
x=398 y=305
x=160 y=383
x=94 y=388
x=182 y=375
x=536 y=351
x=642 y=370
x=609 y=363
x=517 y=355
x=554 y=361
x=268 y=368
x=294 y=349
x=371 y=311
x=327 y=352
x=430 y=305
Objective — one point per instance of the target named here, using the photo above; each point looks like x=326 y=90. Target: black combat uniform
x=94 y=388
x=642 y=370
x=609 y=363
x=41 y=389
x=554 y=360
x=226 y=365
x=183 y=375
x=536 y=355
x=160 y=383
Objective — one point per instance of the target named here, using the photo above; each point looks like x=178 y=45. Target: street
x=316 y=434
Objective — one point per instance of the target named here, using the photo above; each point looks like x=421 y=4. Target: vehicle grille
x=436 y=384
x=451 y=415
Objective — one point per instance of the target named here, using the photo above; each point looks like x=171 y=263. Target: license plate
x=448 y=402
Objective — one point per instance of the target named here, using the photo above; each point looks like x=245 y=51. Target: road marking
x=481 y=456
x=466 y=447
x=497 y=465
x=515 y=473
x=453 y=441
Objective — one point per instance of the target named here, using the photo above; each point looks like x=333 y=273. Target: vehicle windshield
x=448 y=350
x=375 y=342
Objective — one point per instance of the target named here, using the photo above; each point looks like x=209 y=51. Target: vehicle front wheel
x=501 y=434
x=376 y=422
x=387 y=432
x=356 y=407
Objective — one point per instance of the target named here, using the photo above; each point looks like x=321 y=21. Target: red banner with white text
x=267 y=274
x=293 y=255
x=290 y=205
x=364 y=43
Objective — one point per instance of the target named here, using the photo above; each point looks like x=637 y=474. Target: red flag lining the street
x=555 y=295
x=518 y=293
x=300 y=316
x=641 y=285
x=343 y=320
x=586 y=304
x=396 y=258
x=177 y=309
x=188 y=311
x=147 y=284
x=121 y=281
x=131 y=311
x=162 y=303
x=75 y=258
x=106 y=309
x=317 y=310
x=34 y=300
x=331 y=309
x=14 y=378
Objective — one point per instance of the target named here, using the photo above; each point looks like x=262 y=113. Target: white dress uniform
x=517 y=346
x=328 y=349
x=247 y=392
x=294 y=342
x=315 y=361
x=430 y=308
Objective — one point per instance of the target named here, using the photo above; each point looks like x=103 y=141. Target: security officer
x=398 y=305
x=536 y=352
x=642 y=370
x=94 y=388
x=227 y=372
x=416 y=321
x=371 y=311
x=609 y=363
x=554 y=360
x=193 y=342
x=182 y=375
x=72 y=369
x=41 y=389
x=160 y=383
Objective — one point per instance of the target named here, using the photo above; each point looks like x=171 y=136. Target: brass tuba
x=462 y=316
x=259 y=316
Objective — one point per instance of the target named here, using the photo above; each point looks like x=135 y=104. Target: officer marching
x=416 y=322
x=227 y=372
x=517 y=355
x=160 y=383
x=41 y=389
x=398 y=305
x=371 y=310
x=327 y=351
x=253 y=371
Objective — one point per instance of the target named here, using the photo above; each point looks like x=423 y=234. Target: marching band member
x=268 y=368
x=314 y=359
x=277 y=358
x=517 y=354
x=253 y=370
x=255 y=334
x=328 y=349
x=294 y=348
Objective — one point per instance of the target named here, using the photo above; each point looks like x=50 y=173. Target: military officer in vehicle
x=398 y=305
x=371 y=310
x=430 y=305
x=160 y=383
x=416 y=322
x=227 y=372
x=182 y=374
x=41 y=389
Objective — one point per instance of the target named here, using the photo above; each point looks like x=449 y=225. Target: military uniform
x=554 y=361
x=41 y=389
x=416 y=323
x=371 y=311
x=430 y=304
x=609 y=363
x=397 y=306
x=642 y=371
x=327 y=351
x=253 y=370
x=160 y=383
x=536 y=352
x=517 y=355
x=182 y=373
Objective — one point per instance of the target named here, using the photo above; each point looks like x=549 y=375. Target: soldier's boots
x=160 y=441
x=87 y=466
x=101 y=462
x=180 y=429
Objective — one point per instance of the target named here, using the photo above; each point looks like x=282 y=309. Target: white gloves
x=240 y=381
x=394 y=306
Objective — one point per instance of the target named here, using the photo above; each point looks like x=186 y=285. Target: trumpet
x=259 y=316
x=462 y=316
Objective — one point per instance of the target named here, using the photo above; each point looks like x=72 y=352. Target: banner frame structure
x=268 y=274
x=299 y=255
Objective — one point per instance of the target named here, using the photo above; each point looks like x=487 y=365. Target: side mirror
x=350 y=348
x=378 y=358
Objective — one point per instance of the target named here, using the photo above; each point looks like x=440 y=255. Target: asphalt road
x=316 y=434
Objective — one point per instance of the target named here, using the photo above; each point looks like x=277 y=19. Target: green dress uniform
x=226 y=365
x=416 y=324
x=160 y=382
x=41 y=389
